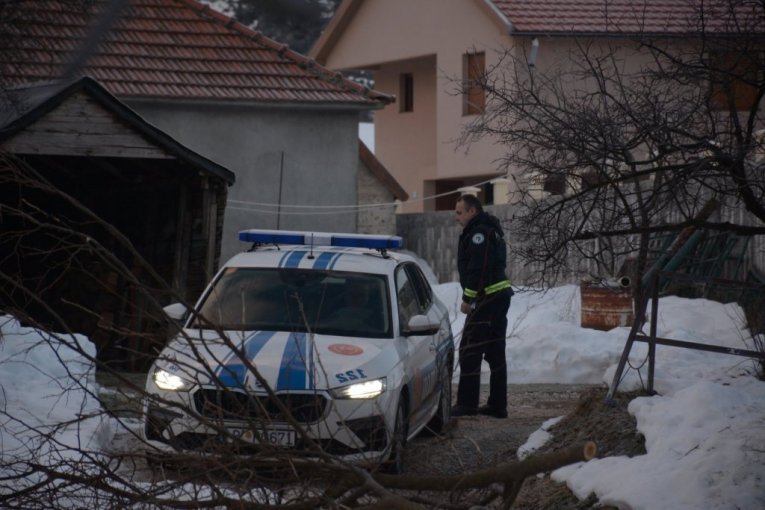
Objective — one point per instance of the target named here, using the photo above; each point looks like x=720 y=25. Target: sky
x=704 y=431
x=367 y=134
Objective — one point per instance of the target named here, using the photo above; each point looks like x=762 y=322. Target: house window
x=406 y=92
x=735 y=76
x=473 y=96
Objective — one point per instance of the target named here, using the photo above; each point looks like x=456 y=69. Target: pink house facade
x=416 y=51
x=422 y=51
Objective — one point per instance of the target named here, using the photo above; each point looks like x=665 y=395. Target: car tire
x=443 y=415
x=394 y=464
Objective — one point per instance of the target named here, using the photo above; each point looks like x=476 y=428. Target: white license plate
x=273 y=437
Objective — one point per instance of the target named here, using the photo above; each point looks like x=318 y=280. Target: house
x=286 y=126
x=77 y=149
x=428 y=52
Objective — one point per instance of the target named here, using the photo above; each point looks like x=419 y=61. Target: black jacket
x=482 y=257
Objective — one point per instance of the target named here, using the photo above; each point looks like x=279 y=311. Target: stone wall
x=378 y=219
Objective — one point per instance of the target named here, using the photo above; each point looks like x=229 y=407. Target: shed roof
x=22 y=107
x=166 y=49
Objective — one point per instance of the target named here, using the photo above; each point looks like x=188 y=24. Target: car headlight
x=366 y=389
x=167 y=381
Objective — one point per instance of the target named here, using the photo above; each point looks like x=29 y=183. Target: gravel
x=477 y=442
x=473 y=442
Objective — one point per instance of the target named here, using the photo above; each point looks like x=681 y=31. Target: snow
x=704 y=431
x=46 y=383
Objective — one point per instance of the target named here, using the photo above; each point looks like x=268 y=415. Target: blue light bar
x=320 y=239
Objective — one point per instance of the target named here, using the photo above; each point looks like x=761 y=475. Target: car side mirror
x=422 y=325
x=177 y=312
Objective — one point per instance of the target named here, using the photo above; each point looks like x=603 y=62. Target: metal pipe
x=534 y=51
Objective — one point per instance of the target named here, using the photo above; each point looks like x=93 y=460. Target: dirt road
x=479 y=441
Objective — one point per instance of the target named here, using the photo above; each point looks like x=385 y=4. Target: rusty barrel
x=605 y=307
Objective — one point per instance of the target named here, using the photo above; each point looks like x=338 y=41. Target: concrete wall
x=433 y=237
x=288 y=155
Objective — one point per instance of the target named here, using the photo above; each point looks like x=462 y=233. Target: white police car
x=308 y=341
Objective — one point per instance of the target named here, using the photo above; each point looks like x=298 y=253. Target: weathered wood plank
x=90 y=146
x=81 y=127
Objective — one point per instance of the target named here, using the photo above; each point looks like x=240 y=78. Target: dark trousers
x=484 y=338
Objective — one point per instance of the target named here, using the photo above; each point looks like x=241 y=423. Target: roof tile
x=665 y=17
x=176 y=49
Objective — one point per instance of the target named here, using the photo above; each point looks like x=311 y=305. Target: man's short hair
x=471 y=202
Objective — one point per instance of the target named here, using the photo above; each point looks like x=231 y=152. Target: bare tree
x=55 y=254
x=89 y=452
x=633 y=137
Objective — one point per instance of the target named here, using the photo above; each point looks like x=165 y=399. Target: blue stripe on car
x=292 y=373
x=334 y=261
x=232 y=372
x=284 y=257
x=323 y=260
x=294 y=259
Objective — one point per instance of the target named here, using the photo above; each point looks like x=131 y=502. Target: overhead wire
x=252 y=206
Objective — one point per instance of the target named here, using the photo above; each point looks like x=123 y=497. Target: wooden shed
x=72 y=154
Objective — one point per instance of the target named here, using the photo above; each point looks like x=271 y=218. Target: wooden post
x=654 y=322
x=210 y=216
x=180 y=264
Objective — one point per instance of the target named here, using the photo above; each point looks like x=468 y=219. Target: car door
x=422 y=368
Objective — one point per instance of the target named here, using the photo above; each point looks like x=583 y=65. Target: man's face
x=462 y=213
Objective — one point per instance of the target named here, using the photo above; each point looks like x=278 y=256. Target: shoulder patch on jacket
x=478 y=238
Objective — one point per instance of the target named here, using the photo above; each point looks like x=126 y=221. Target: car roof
x=360 y=253
x=358 y=260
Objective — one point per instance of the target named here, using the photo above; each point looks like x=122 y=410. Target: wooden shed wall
x=81 y=127
x=170 y=210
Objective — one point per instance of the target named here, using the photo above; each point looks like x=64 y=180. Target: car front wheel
x=394 y=464
x=443 y=415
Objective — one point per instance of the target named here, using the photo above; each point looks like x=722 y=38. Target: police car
x=309 y=342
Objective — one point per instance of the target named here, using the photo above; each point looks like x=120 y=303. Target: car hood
x=286 y=361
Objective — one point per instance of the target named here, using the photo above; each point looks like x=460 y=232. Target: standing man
x=481 y=260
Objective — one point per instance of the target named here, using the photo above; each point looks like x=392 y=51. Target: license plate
x=274 y=437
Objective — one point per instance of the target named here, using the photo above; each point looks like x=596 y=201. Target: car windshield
x=307 y=300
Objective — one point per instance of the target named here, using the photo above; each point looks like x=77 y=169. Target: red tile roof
x=593 y=17
x=664 y=17
x=176 y=49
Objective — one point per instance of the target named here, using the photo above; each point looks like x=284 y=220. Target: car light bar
x=320 y=239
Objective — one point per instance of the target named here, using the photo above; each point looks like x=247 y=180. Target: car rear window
x=306 y=300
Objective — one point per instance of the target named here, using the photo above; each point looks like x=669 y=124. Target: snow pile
x=704 y=432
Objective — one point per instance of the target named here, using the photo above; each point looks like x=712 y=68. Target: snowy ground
x=704 y=432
